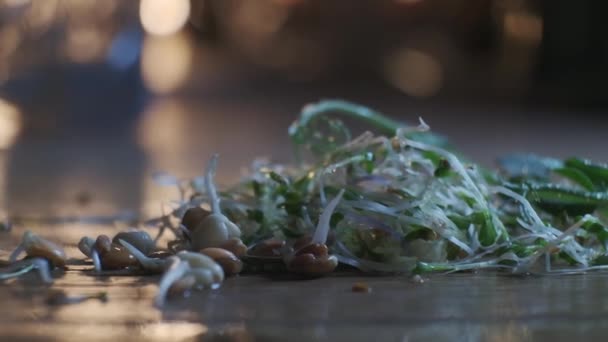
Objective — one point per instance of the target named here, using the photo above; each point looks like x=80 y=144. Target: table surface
x=464 y=307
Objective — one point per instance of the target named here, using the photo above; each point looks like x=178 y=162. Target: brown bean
x=37 y=247
x=113 y=256
x=312 y=260
x=316 y=249
x=56 y=256
x=267 y=248
x=160 y=254
x=117 y=257
x=193 y=217
x=236 y=246
x=103 y=244
x=139 y=239
x=226 y=259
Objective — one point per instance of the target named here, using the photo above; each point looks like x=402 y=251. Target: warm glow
x=174 y=331
x=162 y=127
x=161 y=133
x=414 y=72
x=10 y=38
x=10 y=123
x=166 y=62
x=163 y=17
x=41 y=14
x=85 y=44
x=523 y=26
x=259 y=19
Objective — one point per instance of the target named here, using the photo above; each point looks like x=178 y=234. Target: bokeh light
x=85 y=44
x=10 y=123
x=523 y=27
x=161 y=127
x=414 y=72
x=163 y=17
x=166 y=62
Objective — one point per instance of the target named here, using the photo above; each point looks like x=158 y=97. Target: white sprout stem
x=477 y=265
x=175 y=272
x=322 y=195
x=551 y=244
x=455 y=163
x=147 y=262
x=26 y=266
x=15 y=254
x=210 y=186
x=96 y=260
x=42 y=265
x=527 y=207
x=17 y=273
x=320 y=235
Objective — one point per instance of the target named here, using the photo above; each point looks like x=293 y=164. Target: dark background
x=96 y=95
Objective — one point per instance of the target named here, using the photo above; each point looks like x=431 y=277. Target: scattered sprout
x=22 y=267
x=204 y=272
x=35 y=246
x=59 y=297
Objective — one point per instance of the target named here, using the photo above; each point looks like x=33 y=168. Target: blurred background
x=95 y=96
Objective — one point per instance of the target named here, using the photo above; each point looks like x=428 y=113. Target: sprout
x=153 y=265
x=140 y=239
x=36 y=247
x=60 y=297
x=229 y=262
x=215 y=228
x=185 y=265
x=85 y=245
x=22 y=267
x=313 y=259
x=105 y=254
x=320 y=235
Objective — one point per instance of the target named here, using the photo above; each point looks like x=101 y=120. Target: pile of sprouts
x=413 y=204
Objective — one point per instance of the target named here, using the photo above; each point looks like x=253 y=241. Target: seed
x=361 y=287
x=226 y=259
x=113 y=256
x=310 y=265
x=267 y=248
x=193 y=217
x=160 y=255
x=236 y=246
x=103 y=244
x=37 y=247
x=139 y=239
x=316 y=249
x=117 y=257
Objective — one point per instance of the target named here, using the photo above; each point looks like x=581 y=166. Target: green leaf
x=597 y=228
x=255 y=215
x=487 y=231
x=425 y=267
x=335 y=219
x=368 y=162
x=443 y=169
x=597 y=173
x=577 y=176
x=557 y=199
x=278 y=178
